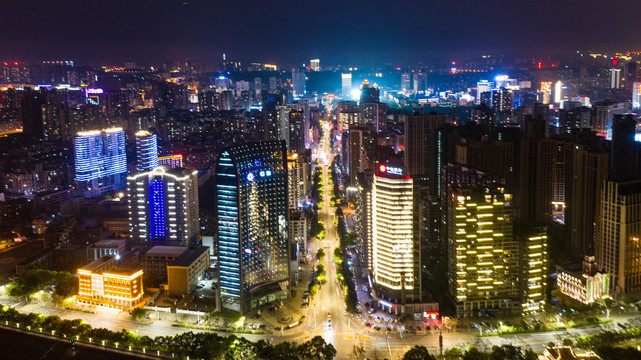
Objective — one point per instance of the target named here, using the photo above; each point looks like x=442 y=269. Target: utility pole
x=440 y=340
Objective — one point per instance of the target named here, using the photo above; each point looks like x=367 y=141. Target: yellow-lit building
x=395 y=250
x=533 y=264
x=587 y=284
x=103 y=283
x=483 y=255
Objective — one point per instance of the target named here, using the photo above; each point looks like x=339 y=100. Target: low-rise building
x=104 y=283
x=586 y=284
x=154 y=260
x=116 y=247
x=184 y=273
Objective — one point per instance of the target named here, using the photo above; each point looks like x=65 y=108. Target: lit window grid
x=392 y=235
x=479 y=248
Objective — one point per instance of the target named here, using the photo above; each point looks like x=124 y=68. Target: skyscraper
x=251 y=197
x=618 y=245
x=636 y=96
x=623 y=154
x=615 y=78
x=482 y=253
x=374 y=114
x=346 y=85
x=146 y=151
x=395 y=248
x=406 y=82
x=163 y=207
x=298 y=82
x=369 y=94
x=100 y=161
x=420 y=82
x=422 y=143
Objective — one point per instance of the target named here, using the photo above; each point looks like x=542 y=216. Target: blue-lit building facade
x=251 y=204
x=146 y=151
x=163 y=207
x=100 y=161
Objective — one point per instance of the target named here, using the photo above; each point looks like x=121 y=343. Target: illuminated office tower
x=253 y=241
x=314 y=64
x=298 y=82
x=636 y=96
x=346 y=85
x=146 y=151
x=482 y=253
x=163 y=207
x=395 y=250
x=174 y=161
x=618 y=244
x=100 y=161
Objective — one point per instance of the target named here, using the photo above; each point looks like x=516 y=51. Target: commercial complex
x=163 y=206
x=100 y=161
x=252 y=210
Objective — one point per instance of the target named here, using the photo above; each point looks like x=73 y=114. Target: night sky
x=347 y=32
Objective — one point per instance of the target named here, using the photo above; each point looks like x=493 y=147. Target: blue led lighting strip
x=157 y=209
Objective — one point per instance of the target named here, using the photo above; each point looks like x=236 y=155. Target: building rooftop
x=109 y=243
x=166 y=250
x=98 y=265
x=189 y=256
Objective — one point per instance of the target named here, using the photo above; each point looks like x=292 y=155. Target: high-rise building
x=423 y=146
x=603 y=113
x=624 y=162
x=294 y=180
x=100 y=161
x=589 y=169
x=253 y=241
x=363 y=223
x=346 y=85
x=146 y=151
x=618 y=250
x=369 y=94
x=406 y=82
x=483 y=86
x=420 y=82
x=298 y=82
x=482 y=253
x=374 y=114
x=163 y=207
x=395 y=248
x=636 y=96
x=314 y=64
x=296 y=135
x=533 y=265
x=615 y=78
